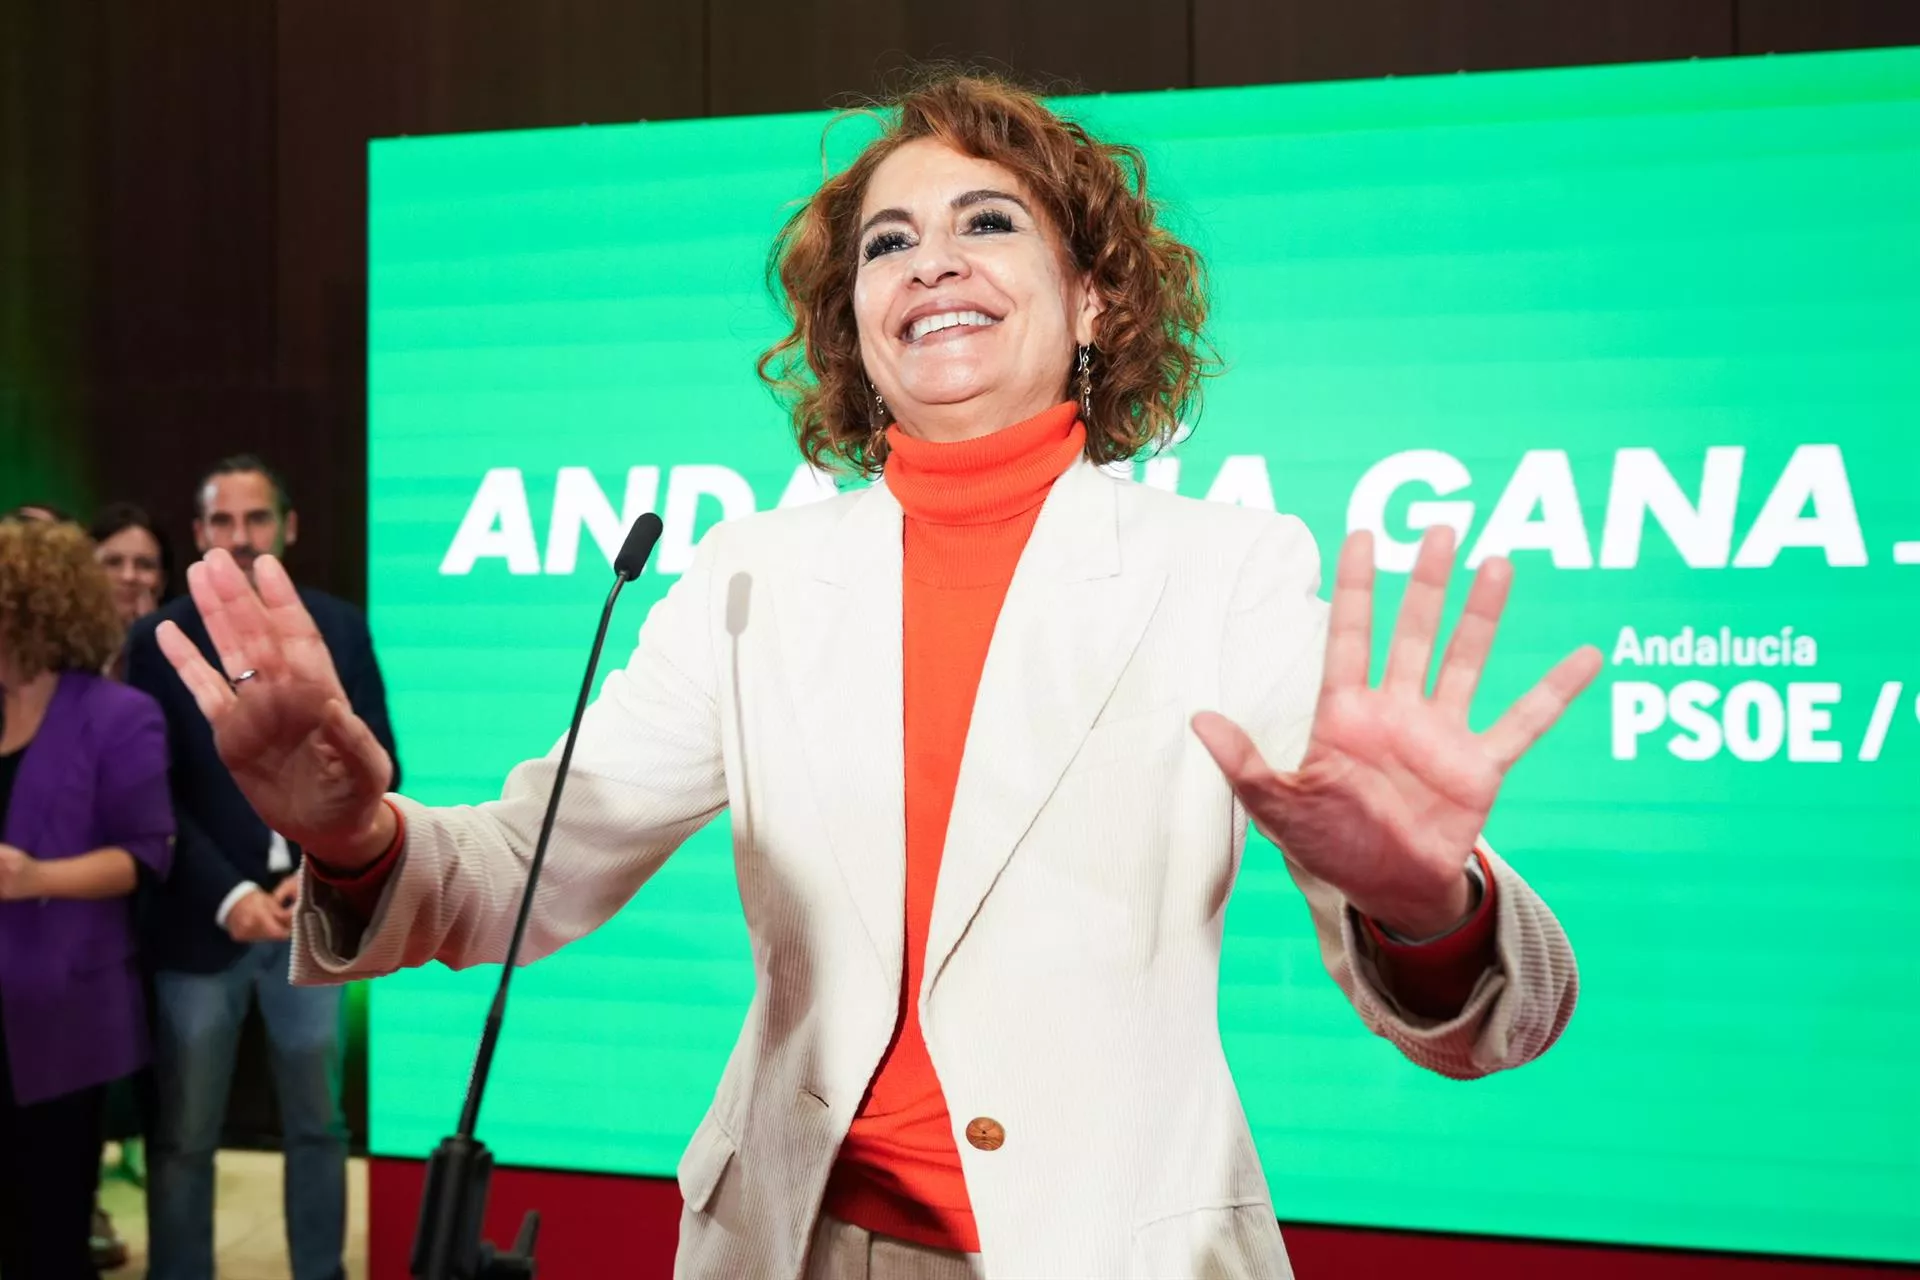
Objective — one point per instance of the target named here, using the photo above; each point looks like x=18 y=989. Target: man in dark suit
x=221 y=927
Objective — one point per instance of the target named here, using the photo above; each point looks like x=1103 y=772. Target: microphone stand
x=447 y=1245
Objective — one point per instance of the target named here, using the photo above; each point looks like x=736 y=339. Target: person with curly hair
x=84 y=813
x=991 y=731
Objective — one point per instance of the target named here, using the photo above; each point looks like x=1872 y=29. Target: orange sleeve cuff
x=1435 y=979
x=359 y=891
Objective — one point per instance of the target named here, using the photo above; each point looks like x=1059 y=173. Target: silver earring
x=1086 y=383
x=877 y=415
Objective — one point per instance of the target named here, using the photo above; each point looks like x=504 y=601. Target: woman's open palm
x=1395 y=787
x=308 y=765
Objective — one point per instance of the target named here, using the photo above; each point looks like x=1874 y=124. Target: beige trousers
x=842 y=1251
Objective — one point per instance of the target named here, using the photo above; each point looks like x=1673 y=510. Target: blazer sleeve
x=647 y=773
x=1273 y=649
x=134 y=802
x=201 y=876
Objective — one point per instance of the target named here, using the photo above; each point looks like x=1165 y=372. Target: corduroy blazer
x=1073 y=962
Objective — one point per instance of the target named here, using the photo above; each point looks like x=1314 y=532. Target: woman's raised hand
x=1395 y=788
x=307 y=764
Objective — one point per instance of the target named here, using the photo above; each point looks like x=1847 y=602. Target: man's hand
x=259 y=917
x=287 y=892
x=19 y=874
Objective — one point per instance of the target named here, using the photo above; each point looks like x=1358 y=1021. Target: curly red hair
x=1149 y=349
x=56 y=607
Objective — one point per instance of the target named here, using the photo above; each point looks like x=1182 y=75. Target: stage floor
x=248 y=1233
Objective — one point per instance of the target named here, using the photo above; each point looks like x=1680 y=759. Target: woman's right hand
x=307 y=764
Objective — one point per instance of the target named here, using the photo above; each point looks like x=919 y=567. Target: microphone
x=447 y=1244
x=635 y=550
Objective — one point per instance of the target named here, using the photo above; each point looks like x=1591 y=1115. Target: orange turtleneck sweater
x=968 y=509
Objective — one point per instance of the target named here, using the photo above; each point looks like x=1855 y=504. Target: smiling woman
x=137 y=558
x=955 y=276
x=985 y=828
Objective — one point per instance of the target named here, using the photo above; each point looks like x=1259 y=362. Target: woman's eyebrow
x=980 y=195
x=983 y=194
x=885 y=215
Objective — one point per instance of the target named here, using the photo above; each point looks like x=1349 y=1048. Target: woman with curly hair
x=991 y=732
x=84 y=809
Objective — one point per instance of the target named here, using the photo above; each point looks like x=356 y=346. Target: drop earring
x=1086 y=384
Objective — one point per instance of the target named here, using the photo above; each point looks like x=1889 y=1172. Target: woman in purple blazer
x=84 y=813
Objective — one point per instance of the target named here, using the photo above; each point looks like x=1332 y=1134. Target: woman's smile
x=946 y=325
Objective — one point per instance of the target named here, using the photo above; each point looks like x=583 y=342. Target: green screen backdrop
x=1652 y=330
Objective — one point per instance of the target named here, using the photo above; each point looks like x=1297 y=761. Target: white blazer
x=1073 y=963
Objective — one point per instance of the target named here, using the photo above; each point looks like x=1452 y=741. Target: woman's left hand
x=19 y=874
x=1395 y=788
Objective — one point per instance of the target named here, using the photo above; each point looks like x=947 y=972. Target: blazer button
x=985 y=1134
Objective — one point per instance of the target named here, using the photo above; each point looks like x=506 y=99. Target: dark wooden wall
x=182 y=185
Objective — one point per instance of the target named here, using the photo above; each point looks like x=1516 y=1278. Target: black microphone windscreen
x=638 y=546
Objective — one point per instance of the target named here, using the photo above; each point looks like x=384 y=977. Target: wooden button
x=985 y=1134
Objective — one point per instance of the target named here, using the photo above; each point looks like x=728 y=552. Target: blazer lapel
x=36 y=787
x=846 y=624
x=1071 y=620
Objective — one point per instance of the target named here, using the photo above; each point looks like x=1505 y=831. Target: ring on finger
x=242 y=678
